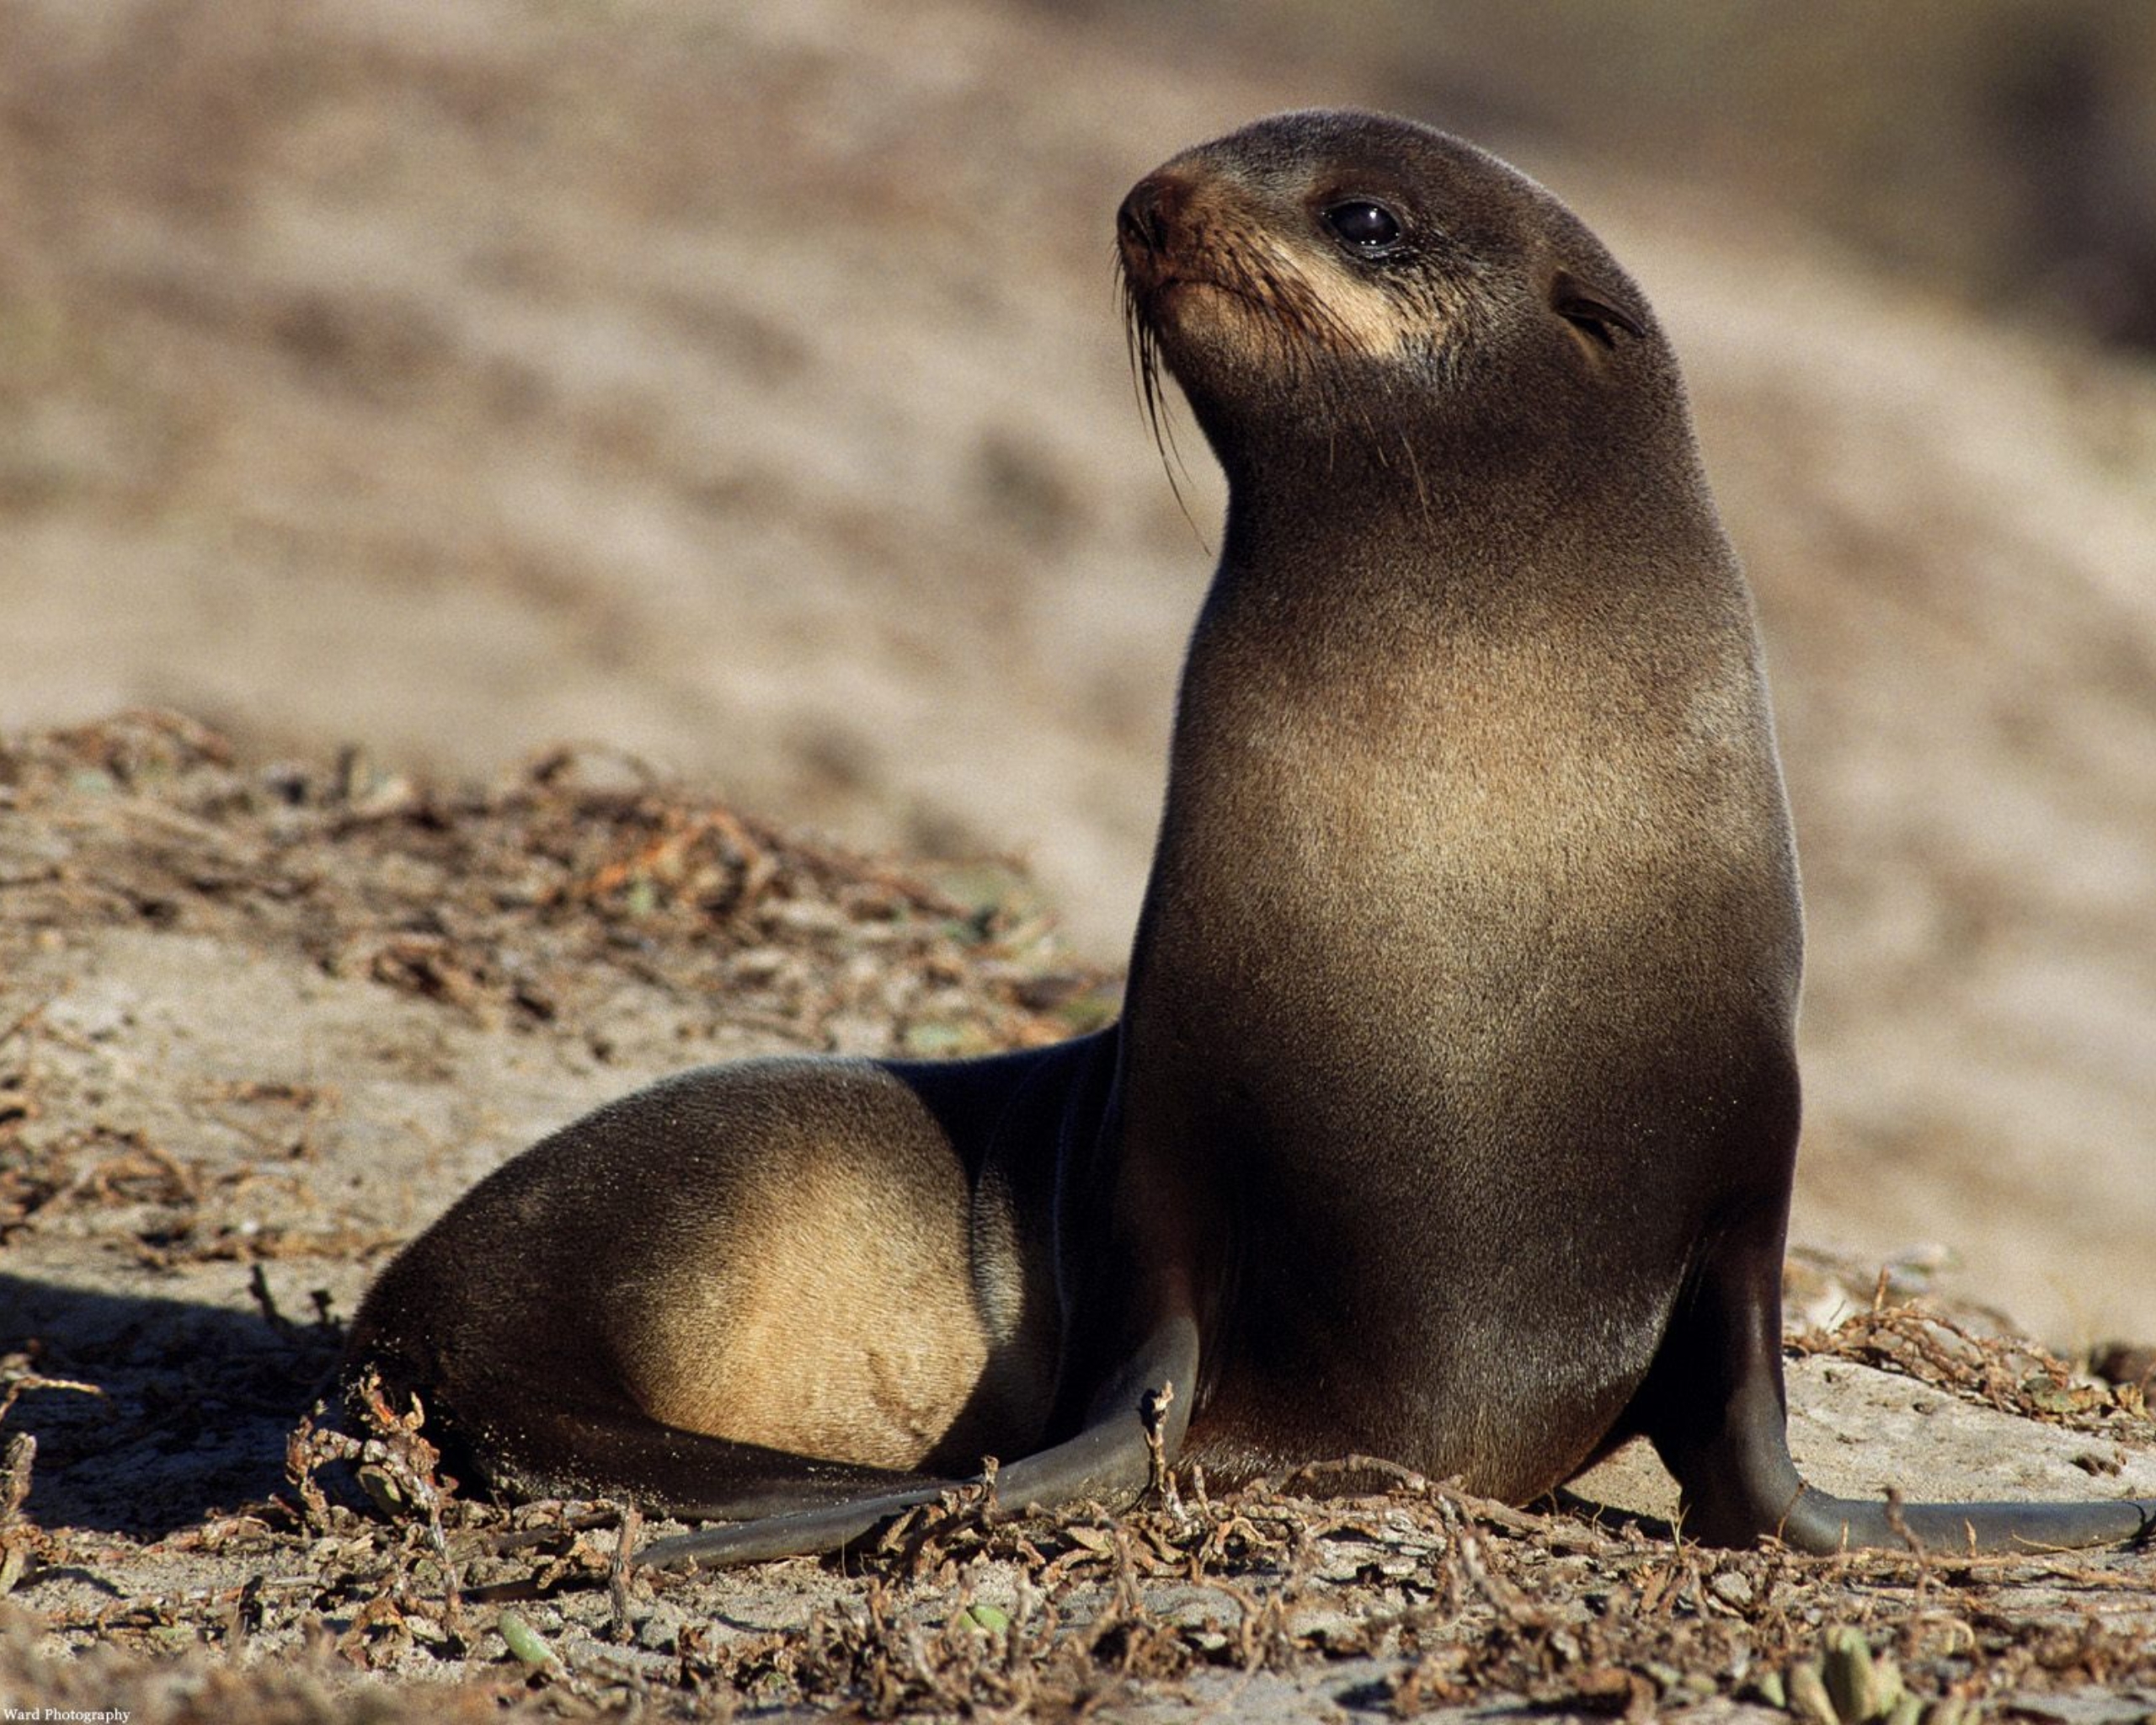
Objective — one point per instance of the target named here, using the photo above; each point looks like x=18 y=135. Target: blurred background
x=740 y=385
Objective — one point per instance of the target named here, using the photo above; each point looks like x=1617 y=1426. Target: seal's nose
x=1147 y=219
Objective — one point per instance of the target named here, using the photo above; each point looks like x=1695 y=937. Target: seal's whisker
x=1143 y=349
x=1415 y=471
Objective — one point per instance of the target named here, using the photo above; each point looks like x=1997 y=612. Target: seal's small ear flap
x=1591 y=310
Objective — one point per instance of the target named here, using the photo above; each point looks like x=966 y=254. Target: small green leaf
x=525 y=1642
x=988 y=1618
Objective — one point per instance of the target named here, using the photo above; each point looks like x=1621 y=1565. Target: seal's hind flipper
x=1716 y=1410
x=1110 y=1461
x=555 y=1452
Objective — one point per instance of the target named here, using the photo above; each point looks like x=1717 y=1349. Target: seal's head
x=1319 y=274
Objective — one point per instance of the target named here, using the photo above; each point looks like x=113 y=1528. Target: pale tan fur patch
x=1370 y=316
x=829 y=1311
x=1278 y=285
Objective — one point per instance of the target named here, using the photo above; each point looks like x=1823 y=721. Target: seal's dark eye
x=1363 y=227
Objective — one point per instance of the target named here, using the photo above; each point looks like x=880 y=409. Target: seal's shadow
x=196 y=1404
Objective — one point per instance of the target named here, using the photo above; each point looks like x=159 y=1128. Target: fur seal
x=1452 y=1115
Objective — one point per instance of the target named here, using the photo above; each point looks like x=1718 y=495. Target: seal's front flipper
x=1111 y=1460
x=1822 y=1523
x=1716 y=1410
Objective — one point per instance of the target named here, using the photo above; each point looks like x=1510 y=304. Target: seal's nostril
x=1144 y=219
x=1137 y=223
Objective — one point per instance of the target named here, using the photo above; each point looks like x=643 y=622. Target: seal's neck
x=1348 y=549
